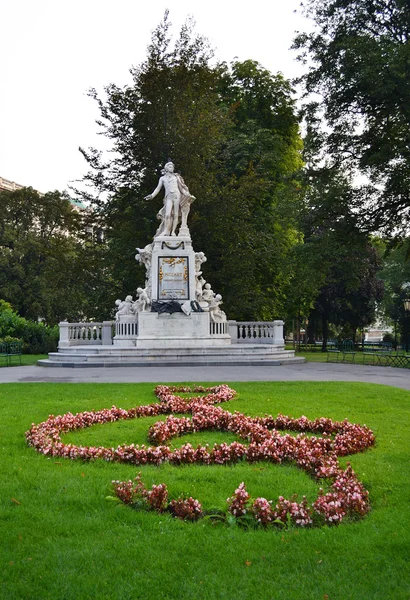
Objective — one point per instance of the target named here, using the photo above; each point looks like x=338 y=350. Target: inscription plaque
x=173 y=278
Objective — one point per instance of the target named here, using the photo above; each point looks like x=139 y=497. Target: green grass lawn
x=62 y=539
x=313 y=356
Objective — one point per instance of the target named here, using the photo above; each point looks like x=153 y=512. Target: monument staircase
x=91 y=345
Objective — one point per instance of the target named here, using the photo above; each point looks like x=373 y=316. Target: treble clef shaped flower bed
x=315 y=450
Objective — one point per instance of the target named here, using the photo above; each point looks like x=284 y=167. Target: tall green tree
x=345 y=263
x=47 y=267
x=358 y=59
x=396 y=277
x=233 y=134
x=169 y=111
x=352 y=289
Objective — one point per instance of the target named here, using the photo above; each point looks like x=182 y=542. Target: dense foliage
x=396 y=277
x=282 y=239
x=340 y=259
x=233 y=134
x=358 y=58
x=49 y=265
x=37 y=338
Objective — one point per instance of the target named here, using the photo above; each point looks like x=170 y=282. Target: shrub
x=37 y=338
x=7 y=339
x=388 y=337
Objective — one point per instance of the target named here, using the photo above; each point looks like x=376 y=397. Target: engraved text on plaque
x=173 y=278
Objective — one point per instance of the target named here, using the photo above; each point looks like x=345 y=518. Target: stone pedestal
x=177 y=330
x=64 y=334
x=171 y=278
x=173 y=268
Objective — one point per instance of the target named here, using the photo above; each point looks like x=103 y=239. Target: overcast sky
x=53 y=51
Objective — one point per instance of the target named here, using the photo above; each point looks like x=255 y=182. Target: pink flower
x=237 y=504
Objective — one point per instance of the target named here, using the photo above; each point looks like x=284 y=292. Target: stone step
x=176 y=356
x=166 y=362
x=115 y=356
x=172 y=351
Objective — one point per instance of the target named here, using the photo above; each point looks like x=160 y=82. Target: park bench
x=383 y=353
x=343 y=350
x=333 y=354
x=9 y=350
x=348 y=351
x=377 y=352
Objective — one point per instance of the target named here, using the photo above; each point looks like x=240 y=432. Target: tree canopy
x=47 y=267
x=233 y=133
x=358 y=59
x=282 y=239
x=337 y=280
x=396 y=277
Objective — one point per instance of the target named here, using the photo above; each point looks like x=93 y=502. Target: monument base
x=201 y=356
x=177 y=330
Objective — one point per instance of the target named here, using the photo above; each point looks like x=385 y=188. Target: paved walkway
x=302 y=372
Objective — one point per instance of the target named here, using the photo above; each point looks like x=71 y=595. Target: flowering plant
x=238 y=502
x=317 y=454
x=187 y=510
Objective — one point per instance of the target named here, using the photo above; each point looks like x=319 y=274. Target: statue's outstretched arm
x=156 y=191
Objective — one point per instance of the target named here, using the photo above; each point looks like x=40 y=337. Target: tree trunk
x=310 y=333
x=325 y=330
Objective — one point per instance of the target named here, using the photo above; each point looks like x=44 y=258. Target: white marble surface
x=178 y=330
x=177 y=202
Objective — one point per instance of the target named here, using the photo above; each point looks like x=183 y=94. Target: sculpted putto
x=124 y=307
x=207 y=293
x=177 y=202
x=217 y=315
x=143 y=300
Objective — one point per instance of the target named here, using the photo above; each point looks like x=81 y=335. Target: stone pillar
x=64 y=341
x=233 y=331
x=106 y=334
x=278 y=333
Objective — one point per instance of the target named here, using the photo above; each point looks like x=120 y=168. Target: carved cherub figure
x=217 y=315
x=199 y=259
x=125 y=307
x=143 y=300
x=199 y=284
x=207 y=293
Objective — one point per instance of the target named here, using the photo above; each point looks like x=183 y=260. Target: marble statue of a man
x=177 y=202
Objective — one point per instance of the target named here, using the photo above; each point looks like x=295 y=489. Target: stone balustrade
x=218 y=329
x=241 y=332
x=126 y=328
x=85 y=334
x=126 y=331
x=257 y=332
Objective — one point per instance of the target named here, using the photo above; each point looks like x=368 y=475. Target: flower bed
x=317 y=455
